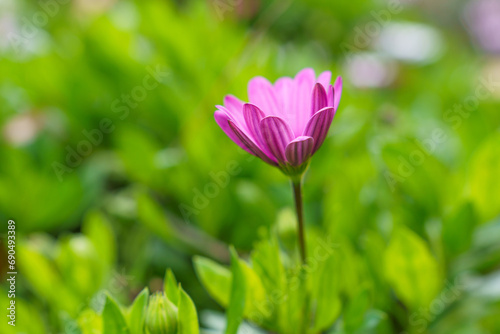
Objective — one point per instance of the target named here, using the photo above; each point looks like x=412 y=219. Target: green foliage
x=113 y=321
x=90 y=322
x=152 y=216
x=65 y=273
x=146 y=315
x=215 y=278
x=171 y=288
x=237 y=299
x=99 y=231
x=137 y=313
x=458 y=229
x=411 y=269
x=483 y=180
x=325 y=296
x=188 y=318
x=274 y=295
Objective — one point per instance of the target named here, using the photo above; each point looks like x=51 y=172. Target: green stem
x=299 y=207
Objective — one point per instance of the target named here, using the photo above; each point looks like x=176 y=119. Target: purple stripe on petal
x=299 y=150
x=277 y=134
x=338 y=92
x=318 y=126
x=253 y=115
x=319 y=99
x=251 y=146
x=222 y=118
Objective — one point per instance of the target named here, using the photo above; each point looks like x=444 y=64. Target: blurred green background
x=110 y=155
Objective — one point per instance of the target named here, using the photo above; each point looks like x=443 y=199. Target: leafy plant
x=171 y=312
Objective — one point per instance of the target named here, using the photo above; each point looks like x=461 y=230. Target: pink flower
x=284 y=124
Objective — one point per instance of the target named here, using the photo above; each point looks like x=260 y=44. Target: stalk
x=299 y=207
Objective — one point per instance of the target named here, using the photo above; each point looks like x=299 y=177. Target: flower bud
x=161 y=316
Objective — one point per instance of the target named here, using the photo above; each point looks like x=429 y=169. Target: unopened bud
x=161 y=316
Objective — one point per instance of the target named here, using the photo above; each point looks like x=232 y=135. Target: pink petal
x=222 y=118
x=304 y=84
x=338 y=92
x=253 y=115
x=330 y=96
x=299 y=150
x=319 y=99
x=318 y=126
x=261 y=93
x=234 y=108
x=277 y=134
x=325 y=78
x=249 y=144
x=232 y=103
x=307 y=73
x=284 y=88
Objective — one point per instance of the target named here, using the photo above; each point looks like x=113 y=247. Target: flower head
x=283 y=124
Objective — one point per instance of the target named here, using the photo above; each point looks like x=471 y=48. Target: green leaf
x=255 y=299
x=89 y=322
x=375 y=322
x=170 y=287
x=267 y=264
x=153 y=217
x=80 y=265
x=325 y=295
x=355 y=310
x=293 y=307
x=373 y=246
x=237 y=299
x=45 y=279
x=410 y=176
x=97 y=228
x=411 y=269
x=483 y=180
x=216 y=279
x=113 y=319
x=138 y=151
x=350 y=267
x=25 y=309
x=137 y=312
x=188 y=318
x=458 y=229
x=38 y=270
